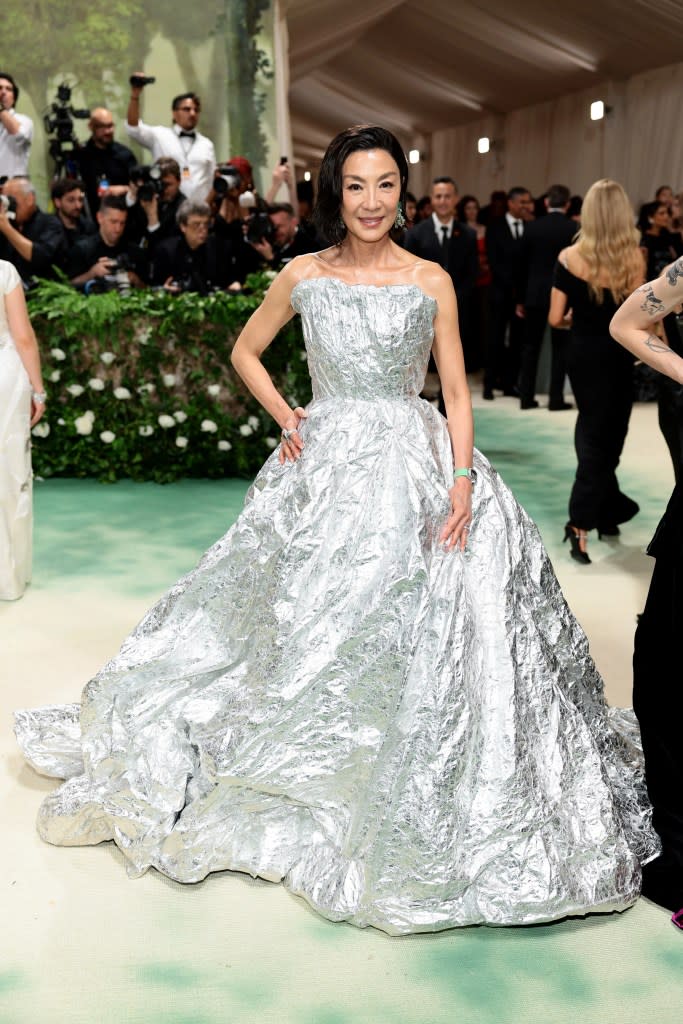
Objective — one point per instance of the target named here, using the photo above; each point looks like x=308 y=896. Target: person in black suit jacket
x=446 y=241
x=195 y=260
x=504 y=250
x=542 y=243
x=454 y=247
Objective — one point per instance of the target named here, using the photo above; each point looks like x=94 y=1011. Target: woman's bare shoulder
x=433 y=280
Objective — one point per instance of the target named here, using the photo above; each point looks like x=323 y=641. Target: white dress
x=15 y=455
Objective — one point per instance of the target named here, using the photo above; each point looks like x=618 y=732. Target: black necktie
x=444 y=248
x=188 y=135
x=517 y=226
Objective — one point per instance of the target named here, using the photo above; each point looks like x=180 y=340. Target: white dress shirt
x=511 y=224
x=196 y=157
x=15 y=149
x=438 y=227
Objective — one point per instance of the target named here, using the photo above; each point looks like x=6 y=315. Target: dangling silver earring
x=400 y=221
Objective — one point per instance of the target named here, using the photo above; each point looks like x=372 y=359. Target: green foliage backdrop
x=221 y=49
x=141 y=386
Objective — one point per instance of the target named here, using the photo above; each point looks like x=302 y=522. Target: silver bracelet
x=39 y=397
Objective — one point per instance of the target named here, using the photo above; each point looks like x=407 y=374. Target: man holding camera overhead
x=16 y=131
x=193 y=151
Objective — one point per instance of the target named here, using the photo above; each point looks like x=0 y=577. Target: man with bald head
x=105 y=165
x=31 y=240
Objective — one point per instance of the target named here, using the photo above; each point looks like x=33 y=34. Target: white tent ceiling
x=418 y=67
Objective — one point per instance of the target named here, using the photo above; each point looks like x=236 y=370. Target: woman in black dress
x=592 y=278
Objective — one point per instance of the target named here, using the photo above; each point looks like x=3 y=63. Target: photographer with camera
x=68 y=198
x=16 y=131
x=286 y=239
x=31 y=240
x=193 y=151
x=104 y=164
x=197 y=261
x=103 y=258
x=153 y=200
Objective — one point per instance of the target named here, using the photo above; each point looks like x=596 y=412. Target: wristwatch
x=470 y=473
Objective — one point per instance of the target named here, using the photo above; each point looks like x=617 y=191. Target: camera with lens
x=259 y=227
x=147 y=177
x=9 y=205
x=227 y=179
x=140 y=81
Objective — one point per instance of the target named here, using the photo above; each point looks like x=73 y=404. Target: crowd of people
x=184 y=222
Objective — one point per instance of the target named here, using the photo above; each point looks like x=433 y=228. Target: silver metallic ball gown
x=408 y=738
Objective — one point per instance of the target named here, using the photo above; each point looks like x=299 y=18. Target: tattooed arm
x=633 y=325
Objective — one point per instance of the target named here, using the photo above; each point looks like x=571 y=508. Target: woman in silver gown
x=371 y=688
x=22 y=403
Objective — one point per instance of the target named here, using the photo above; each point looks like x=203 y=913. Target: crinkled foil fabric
x=408 y=738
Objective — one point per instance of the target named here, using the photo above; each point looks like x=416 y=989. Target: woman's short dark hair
x=328 y=206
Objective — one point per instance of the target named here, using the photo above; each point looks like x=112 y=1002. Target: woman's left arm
x=447 y=350
x=633 y=325
x=27 y=347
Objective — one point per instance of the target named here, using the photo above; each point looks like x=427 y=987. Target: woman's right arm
x=258 y=333
x=26 y=345
x=633 y=323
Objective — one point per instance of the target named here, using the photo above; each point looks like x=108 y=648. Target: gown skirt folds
x=16 y=510
x=408 y=738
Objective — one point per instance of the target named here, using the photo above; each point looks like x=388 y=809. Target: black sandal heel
x=575 y=536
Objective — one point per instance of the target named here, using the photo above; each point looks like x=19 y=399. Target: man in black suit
x=542 y=242
x=196 y=260
x=453 y=245
x=31 y=240
x=504 y=250
x=446 y=241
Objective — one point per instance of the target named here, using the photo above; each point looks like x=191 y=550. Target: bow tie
x=187 y=135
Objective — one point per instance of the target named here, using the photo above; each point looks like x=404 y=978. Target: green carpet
x=82 y=943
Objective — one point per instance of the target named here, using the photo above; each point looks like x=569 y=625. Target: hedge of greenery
x=141 y=385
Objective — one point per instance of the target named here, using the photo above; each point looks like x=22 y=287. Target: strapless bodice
x=365 y=341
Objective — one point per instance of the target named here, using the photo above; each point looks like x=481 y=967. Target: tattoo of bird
x=651 y=304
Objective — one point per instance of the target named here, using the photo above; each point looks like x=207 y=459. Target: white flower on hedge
x=166 y=421
x=41 y=429
x=208 y=426
x=146 y=389
x=146 y=431
x=60 y=422
x=107 y=358
x=107 y=436
x=272 y=442
x=96 y=384
x=58 y=354
x=168 y=379
x=214 y=390
x=270 y=274
x=143 y=335
x=55 y=375
x=181 y=442
x=224 y=446
x=122 y=393
x=83 y=424
x=75 y=390
x=180 y=416
x=245 y=430
x=303 y=355
x=254 y=422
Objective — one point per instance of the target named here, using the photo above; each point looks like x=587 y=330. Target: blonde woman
x=592 y=279
x=22 y=403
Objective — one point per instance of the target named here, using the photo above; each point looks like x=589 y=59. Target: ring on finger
x=286 y=434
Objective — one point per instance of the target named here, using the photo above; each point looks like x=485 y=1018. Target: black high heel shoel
x=575 y=536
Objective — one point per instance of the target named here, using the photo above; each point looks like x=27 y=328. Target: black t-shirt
x=88 y=251
x=114 y=163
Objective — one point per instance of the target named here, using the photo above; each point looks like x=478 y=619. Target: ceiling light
x=414 y=156
x=484 y=144
x=597 y=110
x=307 y=175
